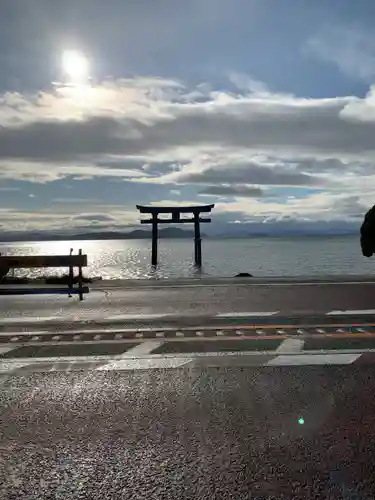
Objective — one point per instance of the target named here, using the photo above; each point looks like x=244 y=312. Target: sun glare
x=75 y=66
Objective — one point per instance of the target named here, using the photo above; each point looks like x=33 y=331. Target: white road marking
x=199 y=334
x=260 y=332
x=220 y=333
x=180 y=334
x=234 y=314
x=118 y=336
x=14 y=339
x=145 y=347
x=76 y=337
x=240 y=333
x=300 y=331
x=116 y=357
x=138 y=316
x=139 y=335
x=349 y=312
x=124 y=362
x=361 y=330
x=320 y=330
x=97 y=337
x=144 y=364
x=7 y=366
x=160 y=334
x=56 y=337
x=314 y=359
x=291 y=345
x=33 y=319
x=33 y=339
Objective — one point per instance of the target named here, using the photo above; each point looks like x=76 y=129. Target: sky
x=265 y=108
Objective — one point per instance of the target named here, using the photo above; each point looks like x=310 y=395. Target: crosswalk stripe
x=3 y=350
x=314 y=359
x=144 y=348
x=290 y=345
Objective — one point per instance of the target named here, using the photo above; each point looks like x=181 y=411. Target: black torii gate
x=176 y=219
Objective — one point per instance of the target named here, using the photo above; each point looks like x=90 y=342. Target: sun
x=75 y=65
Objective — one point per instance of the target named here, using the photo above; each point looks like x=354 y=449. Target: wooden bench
x=43 y=261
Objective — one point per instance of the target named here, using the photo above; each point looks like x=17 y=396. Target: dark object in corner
x=368 y=233
x=244 y=275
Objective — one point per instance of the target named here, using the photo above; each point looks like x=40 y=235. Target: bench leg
x=71 y=279
x=80 y=278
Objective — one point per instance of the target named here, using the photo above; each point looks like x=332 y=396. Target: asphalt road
x=207 y=433
x=109 y=303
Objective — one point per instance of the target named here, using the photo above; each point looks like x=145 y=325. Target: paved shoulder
x=207 y=433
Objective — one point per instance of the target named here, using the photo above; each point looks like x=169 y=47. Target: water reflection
x=130 y=259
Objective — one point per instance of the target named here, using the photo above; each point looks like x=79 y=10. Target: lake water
x=226 y=257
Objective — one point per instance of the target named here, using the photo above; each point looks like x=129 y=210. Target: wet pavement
x=195 y=432
x=190 y=304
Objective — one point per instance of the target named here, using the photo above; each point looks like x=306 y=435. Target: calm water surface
x=259 y=256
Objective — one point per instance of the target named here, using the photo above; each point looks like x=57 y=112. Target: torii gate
x=176 y=219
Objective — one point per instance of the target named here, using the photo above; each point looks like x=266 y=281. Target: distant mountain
x=168 y=232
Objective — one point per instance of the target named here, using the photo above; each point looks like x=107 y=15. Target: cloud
x=248 y=173
x=66 y=219
x=155 y=131
x=126 y=123
x=236 y=190
x=75 y=201
x=351 y=48
x=43 y=171
x=94 y=217
x=329 y=208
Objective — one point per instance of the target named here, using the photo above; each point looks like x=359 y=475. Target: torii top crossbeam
x=167 y=210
